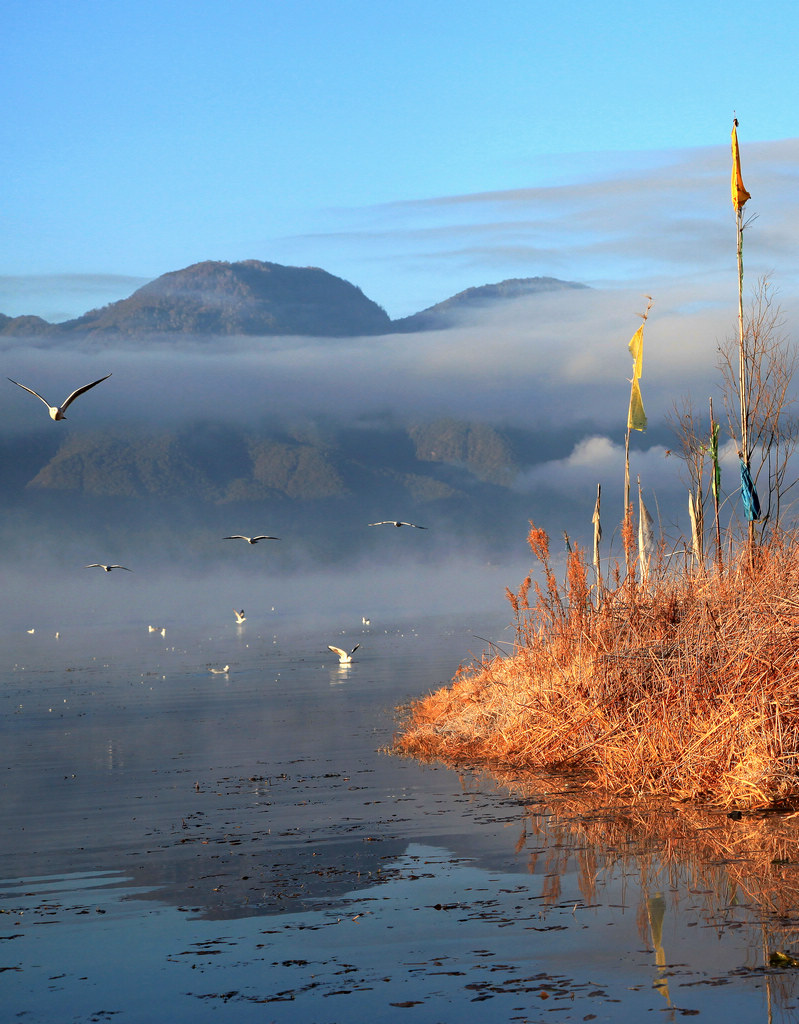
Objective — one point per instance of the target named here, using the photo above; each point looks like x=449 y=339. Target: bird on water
x=344 y=657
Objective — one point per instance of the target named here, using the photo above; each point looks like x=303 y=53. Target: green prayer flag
x=715 y=481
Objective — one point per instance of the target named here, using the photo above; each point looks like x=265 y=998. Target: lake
x=185 y=843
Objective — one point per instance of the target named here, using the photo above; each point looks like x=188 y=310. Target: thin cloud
x=553 y=359
x=636 y=217
x=59 y=297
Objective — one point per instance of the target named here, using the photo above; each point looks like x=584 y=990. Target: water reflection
x=340 y=674
x=259 y=806
x=436 y=933
x=689 y=867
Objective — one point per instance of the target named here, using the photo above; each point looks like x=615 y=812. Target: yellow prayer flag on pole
x=636 y=348
x=739 y=193
x=636 y=417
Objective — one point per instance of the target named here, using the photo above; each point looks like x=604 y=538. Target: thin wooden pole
x=740 y=197
x=742 y=374
x=714 y=442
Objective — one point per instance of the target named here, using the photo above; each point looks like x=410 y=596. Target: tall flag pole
x=739 y=199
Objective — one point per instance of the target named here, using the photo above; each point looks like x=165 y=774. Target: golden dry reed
x=685 y=685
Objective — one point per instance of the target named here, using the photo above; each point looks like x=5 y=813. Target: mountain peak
x=247 y=297
x=214 y=298
x=452 y=310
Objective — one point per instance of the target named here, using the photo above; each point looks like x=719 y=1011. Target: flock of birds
x=58 y=412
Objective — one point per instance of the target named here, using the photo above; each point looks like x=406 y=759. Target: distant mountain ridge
x=451 y=311
x=251 y=297
x=176 y=491
x=223 y=464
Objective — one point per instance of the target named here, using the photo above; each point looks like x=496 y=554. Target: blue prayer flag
x=749 y=494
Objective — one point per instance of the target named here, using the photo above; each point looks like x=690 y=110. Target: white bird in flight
x=106 y=568
x=240 y=616
x=344 y=657
x=396 y=522
x=250 y=540
x=156 y=629
x=58 y=412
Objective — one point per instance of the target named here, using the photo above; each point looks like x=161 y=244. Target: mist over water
x=553 y=368
x=534 y=359
x=391 y=591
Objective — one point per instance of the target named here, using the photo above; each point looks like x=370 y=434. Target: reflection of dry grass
x=753 y=858
x=688 y=685
x=678 y=848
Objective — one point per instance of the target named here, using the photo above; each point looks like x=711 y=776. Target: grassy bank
x=685 y=685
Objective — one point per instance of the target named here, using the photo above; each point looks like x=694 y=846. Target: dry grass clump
x=686 y=684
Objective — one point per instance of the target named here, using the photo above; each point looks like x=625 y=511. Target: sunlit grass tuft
x=687 y=685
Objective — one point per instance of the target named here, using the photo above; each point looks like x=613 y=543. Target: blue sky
x=413 y=148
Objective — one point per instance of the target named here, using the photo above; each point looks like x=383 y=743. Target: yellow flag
x=636 y=418
x=739 y=193
x=636 y=348
x=695 y=515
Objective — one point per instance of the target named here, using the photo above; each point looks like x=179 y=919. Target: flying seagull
x=106 y=568
x=58 y=412
x=240 y=616
x=250 y=540
x=343 y=657
x=395 y=522
x=156 y=629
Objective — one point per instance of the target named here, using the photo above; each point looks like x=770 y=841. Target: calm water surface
x=183 y=844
